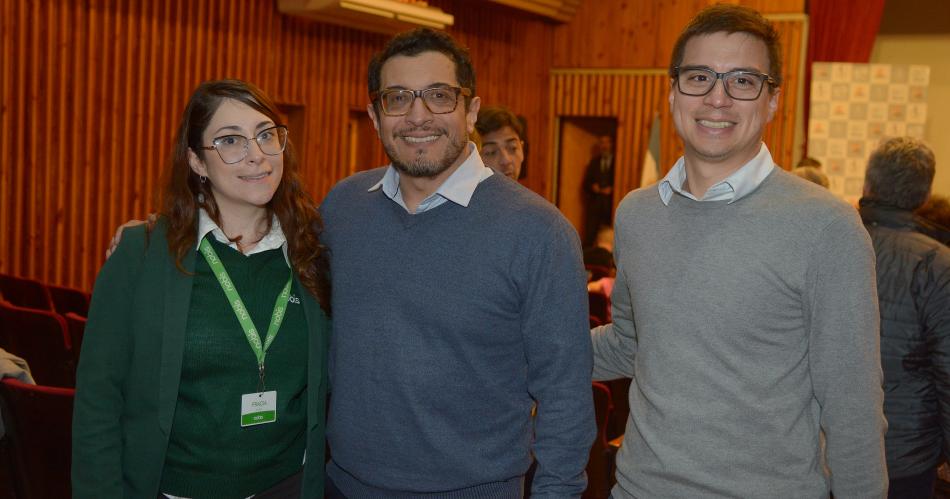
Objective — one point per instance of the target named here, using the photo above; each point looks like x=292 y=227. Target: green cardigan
x=127 y=382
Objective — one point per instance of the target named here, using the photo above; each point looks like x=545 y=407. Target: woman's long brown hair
x=294 y=208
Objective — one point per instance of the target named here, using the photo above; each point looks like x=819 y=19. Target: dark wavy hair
x=414 y=42
x=494 y=118
x=732 y=19
x=293 y=207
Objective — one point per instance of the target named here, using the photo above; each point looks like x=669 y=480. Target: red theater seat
x=25 y=292
x=42 y=339
x=66 y=300
x=38 y=421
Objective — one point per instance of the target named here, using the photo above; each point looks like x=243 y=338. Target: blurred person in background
x=913 y=282
x=502 y=135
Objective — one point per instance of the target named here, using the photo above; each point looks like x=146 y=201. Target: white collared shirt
x=272 y=240
x=742 y=181
x=458 y=188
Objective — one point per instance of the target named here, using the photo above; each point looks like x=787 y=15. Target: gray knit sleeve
x=615 y=344
x=841 y=314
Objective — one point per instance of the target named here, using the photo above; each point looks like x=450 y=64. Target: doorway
x=577 y=146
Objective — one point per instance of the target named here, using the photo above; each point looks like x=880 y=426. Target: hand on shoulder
x=117 y=238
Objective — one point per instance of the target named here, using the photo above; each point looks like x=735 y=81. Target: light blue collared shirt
x=732 y=188
x=458 y=188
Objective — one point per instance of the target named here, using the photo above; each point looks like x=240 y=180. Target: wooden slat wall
x=634 y=98
x=780 y=134
x=636 y=34
x=92 y=90
x=591 y=92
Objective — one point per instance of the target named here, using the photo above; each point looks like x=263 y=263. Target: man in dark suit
x=599 y=188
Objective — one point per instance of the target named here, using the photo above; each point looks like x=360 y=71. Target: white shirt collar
x=458 y=188
x=272 y=240
x=732 y=188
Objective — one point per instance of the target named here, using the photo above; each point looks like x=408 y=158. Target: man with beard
x=459 y=304
x=744 y=309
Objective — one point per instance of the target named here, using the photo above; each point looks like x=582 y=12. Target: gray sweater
x=448 y=325
x=746 y=327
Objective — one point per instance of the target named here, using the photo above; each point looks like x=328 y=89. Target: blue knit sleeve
x=557 y=345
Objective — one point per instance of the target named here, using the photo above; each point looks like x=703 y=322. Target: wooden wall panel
x=636 y=34
x=780 y=135
x=92 y=91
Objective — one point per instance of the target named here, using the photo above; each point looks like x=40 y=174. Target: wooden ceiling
x=559 y=10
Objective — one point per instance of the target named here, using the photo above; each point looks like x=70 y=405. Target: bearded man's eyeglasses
x=438 y=100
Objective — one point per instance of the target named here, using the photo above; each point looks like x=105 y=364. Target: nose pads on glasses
x=418 y=106
x=718 y=91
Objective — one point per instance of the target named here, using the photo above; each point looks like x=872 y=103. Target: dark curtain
x=839 y=31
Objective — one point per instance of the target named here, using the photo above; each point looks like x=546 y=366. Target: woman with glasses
x=203 y=372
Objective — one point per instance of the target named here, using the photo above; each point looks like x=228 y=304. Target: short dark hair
x=731 y=19
x=494 y=118
x=900 y=173
x=808 y=161
x=812 y=174
x=415 y=42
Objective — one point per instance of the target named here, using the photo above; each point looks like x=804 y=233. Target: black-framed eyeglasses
x=233 y=148
x=438 y=100
x=739 y=85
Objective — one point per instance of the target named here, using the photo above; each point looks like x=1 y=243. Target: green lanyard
x=240 y=311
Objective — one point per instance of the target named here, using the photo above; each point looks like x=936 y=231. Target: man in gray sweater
x=745 y=307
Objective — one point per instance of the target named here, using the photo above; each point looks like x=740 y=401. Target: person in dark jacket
x=598 y=187
x=913 y=279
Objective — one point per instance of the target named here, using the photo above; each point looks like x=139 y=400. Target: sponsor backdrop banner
x=856 y=106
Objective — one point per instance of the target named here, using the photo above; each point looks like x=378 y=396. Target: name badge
x=258 y=408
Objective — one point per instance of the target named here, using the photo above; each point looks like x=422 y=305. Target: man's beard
x=422 y=167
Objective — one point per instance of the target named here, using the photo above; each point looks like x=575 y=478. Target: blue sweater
x=448 y=326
